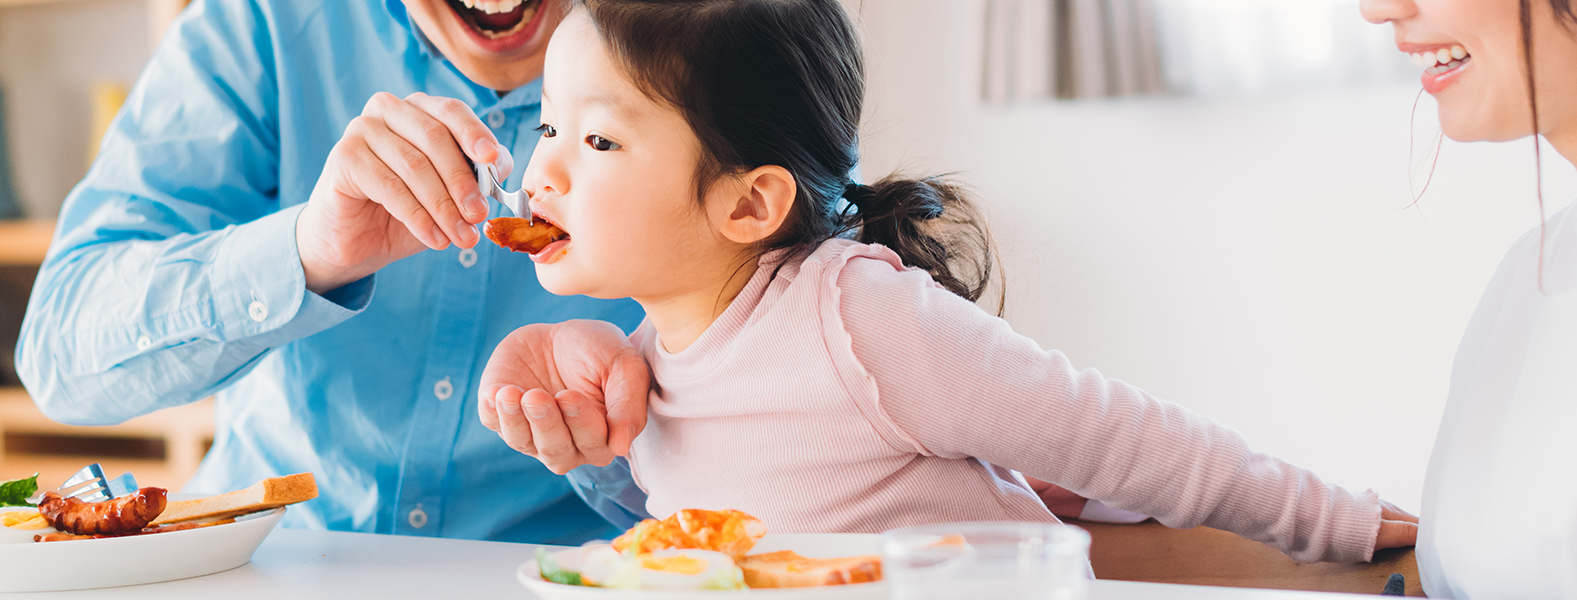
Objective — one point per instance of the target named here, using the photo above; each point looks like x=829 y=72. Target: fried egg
x=660 y=570
x=20 y=523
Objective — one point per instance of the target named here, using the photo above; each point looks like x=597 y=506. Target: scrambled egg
x=20 y=524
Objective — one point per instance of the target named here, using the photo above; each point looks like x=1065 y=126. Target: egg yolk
x=23 y=520
x=680 y=564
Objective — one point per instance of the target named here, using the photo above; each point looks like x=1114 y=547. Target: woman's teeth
x=1439 y=61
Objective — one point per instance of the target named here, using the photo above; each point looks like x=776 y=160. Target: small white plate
x=814 y=545
x=132 y=560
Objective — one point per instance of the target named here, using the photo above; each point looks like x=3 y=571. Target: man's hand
x=396 y=183
x=1398 y=528
x=568 y=394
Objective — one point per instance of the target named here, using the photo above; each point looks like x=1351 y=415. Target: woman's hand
x=396 y=183
x=568 y=394
x=1058 y=500
x=1398 y=528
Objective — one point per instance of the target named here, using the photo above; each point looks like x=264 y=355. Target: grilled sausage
x=125 y=514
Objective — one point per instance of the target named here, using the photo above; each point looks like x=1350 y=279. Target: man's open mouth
x=496 y=19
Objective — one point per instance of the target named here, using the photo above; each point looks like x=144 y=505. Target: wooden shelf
x=24 y=242
x=185 y=430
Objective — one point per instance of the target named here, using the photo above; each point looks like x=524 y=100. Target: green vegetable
x=551 y=571
x=15 y=492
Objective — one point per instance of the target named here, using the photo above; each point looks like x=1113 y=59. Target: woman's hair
x=782 y=82
x=1567 y=18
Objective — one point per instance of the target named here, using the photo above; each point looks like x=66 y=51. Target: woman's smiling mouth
x=1441 y=65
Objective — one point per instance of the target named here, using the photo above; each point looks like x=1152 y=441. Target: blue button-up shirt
x=174 y=275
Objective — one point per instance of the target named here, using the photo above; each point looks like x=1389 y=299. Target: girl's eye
x=601 y=144
x=547 y=130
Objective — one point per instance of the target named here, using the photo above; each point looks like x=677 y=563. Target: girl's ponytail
x=932 y=225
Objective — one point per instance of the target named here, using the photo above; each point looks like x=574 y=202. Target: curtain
x=1078 y=49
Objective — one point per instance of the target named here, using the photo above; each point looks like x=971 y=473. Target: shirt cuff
x=260 y=290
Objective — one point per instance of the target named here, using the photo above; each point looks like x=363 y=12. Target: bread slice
x=788 y=569
x=269 y=493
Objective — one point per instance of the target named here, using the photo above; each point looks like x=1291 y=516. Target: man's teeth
x=493 y=7
x=1439 y=61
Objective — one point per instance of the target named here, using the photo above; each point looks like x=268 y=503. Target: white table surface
x=333 y=565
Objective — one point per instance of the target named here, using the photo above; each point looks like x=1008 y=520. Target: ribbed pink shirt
x=846 y=393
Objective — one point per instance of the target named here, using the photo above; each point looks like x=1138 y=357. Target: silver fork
x=493 y=187
x=90 y=485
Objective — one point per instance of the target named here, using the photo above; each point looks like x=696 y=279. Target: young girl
x=696 y=154
x=1505 y=71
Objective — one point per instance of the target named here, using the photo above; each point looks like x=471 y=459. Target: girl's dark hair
x=782 y=82
x=1567 y=18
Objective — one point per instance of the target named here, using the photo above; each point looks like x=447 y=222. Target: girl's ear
x=756 y=204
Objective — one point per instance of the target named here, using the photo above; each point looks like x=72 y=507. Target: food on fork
x=125 y=514
x=523 y=235
x=787 y=568
x=273 y=492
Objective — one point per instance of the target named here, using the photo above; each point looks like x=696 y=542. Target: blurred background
x=1212 y=199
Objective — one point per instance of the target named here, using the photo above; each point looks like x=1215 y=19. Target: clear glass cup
x=1032 y=561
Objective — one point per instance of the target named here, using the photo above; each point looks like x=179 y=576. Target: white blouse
x=1509 y=437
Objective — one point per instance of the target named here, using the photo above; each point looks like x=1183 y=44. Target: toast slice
x=788 y=569
x=269 y=493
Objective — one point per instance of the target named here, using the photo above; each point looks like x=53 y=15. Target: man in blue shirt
x=282 y=216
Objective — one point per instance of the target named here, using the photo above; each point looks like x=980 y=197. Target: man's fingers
x=513 y=426
x=441 y=147
x=625 y=393
x=555 y=448
x=588 y=426
x=414 y=168
x=474 y=137
x=382 y=185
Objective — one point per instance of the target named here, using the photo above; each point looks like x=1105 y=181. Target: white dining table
x=331 y=565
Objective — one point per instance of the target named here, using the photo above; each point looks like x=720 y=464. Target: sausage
x=521 y=235
x=125 y=514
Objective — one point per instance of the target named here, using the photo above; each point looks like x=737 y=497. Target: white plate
x=131 y=560
x=814 y=545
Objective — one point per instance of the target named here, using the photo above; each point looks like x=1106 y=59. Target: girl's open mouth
x=499 y=25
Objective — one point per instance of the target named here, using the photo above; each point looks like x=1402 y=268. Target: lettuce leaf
x=16 y=491
x=551 y=571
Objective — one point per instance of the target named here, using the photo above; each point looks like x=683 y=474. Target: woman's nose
x=1382 y=11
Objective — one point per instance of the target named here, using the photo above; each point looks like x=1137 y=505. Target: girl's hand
x=395 y=184
x=1398 y=528
x=569 y=394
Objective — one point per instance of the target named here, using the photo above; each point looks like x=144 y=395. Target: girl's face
x=616 y=171
x=1473 y=50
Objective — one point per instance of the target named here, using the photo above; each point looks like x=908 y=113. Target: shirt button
x=467 y=257
x=257 y=310
x=417 y=518
x=444 y=389
x=495 y=119
x=143 y=343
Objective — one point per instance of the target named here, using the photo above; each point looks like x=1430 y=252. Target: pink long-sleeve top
x=845 y=393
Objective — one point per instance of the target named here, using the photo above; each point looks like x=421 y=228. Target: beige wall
x=50 y=57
